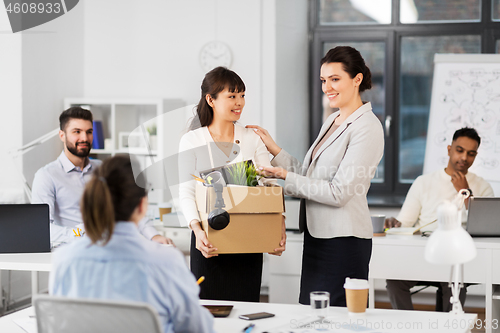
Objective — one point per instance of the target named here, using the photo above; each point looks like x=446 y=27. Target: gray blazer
x=334 y=184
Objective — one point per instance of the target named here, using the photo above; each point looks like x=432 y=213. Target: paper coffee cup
x=378 y=223
x=356 y=294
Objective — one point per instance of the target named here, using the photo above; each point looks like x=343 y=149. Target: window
x=398 y=40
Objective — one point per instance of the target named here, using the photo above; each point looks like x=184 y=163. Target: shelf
x=101 y=151
x=121 y=117
x=137 y=152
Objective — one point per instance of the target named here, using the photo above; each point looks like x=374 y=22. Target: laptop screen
x=24 y=228
x=483 y=219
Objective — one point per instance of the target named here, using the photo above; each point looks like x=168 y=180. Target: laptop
x=24 y=228
x=483 y=219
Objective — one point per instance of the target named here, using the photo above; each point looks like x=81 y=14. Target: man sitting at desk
x=420 y=208
x=60 y=183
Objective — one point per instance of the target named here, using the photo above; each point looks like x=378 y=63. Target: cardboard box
x=255 y=218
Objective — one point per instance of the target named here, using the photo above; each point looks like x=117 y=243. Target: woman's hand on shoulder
x=202 y=244
x=271 y=146
x=279 y=251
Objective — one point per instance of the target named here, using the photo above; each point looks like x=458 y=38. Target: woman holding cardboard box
x=334 y=179
x=214 y=140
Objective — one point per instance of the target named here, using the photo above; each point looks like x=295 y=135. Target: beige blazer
x=334 y=184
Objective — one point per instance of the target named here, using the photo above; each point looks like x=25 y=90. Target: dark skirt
x=327 y=262
x=231 y=277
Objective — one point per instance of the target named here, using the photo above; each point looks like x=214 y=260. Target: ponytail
x=97 y=211
x=111 y=195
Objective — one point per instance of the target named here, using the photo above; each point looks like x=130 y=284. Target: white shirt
x=429 y=191
x=198 y=152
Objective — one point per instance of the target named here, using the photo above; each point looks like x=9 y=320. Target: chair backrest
x=56 y=314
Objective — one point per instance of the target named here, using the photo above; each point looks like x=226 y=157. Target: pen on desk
x=76 y=235
x=249 y=328
x=200 y=280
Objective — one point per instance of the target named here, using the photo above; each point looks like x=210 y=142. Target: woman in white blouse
x=213 y=142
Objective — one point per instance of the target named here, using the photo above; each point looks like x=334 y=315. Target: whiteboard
x=466 y=92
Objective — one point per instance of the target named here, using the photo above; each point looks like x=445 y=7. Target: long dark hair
x=214 y=82
x=353 y=63
x=111 y=195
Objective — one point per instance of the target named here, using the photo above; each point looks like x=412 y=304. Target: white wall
x=52 y=61
x=128 y=49
x=153 y=51
x=10 y=110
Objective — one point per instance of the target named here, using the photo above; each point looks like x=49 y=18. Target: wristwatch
x=470 y=191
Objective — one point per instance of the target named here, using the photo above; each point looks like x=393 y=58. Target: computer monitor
x=483 y=219
x=24 y=228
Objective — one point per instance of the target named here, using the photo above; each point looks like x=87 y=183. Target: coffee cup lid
x=356 y=284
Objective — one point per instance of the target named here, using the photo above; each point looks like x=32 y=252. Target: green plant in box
x=242 y=173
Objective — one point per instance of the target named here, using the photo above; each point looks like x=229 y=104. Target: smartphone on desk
x=258 y=315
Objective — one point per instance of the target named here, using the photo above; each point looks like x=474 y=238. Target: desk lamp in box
x=451 y=245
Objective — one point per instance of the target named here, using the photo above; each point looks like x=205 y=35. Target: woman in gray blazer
x=334 y=179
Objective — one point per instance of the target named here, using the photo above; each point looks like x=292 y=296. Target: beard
x=82 y=152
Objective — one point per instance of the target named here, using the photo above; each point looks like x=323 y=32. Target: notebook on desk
x=483 y=219
x=24 y=228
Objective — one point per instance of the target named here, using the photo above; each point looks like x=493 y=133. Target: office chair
x=62 y=314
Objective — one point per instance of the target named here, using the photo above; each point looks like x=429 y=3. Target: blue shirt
x=60 y=184
x=132 y=268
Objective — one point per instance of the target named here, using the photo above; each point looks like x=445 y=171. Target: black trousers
x=230 y=277
x=327 y=262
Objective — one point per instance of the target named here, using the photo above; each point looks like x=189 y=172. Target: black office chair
x=439 y=293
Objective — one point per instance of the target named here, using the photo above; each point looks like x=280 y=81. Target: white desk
x=34 y=262
x=288 y=316
x=402 y=258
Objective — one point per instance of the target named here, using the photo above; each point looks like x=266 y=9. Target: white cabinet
x=134 y=126
x=284 y=271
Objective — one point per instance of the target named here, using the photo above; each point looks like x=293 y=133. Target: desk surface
x=289 y=316
x=26 y=261
x=401 y=257
x=418 y=240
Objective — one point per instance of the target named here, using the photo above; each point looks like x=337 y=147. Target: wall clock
x=215 y=54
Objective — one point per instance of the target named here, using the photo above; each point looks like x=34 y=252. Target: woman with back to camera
x=218 y=142
x=114 y=261
x=334 y=179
